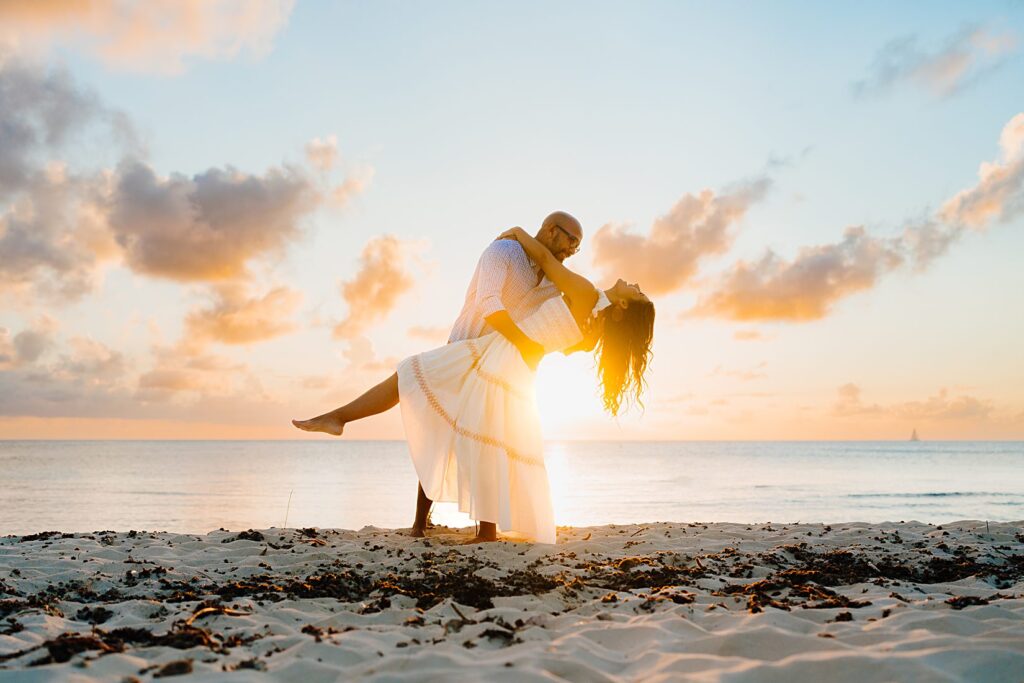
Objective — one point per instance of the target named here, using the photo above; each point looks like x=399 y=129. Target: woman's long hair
x=622 y=354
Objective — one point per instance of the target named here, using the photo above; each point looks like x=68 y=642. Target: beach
x=903 y=601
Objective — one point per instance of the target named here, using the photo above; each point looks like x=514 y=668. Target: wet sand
x=703 y=602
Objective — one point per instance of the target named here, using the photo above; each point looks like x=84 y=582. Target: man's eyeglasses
x=574 y=241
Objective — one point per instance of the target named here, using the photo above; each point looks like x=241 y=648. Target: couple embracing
x=469 y=408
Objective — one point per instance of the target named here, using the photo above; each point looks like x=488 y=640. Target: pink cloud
x=805 y=288
x=999 y=194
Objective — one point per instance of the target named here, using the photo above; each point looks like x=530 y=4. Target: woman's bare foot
x=327 y=423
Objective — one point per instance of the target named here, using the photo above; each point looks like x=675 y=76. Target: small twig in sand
x=638 y=531
x=207 y=611
x=289 y=507
x=459 y=612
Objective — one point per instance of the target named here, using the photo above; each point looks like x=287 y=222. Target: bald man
x=506 y=287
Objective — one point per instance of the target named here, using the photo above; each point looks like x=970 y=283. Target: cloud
x=85 y=376
x=756 y=372
x=374 y=291
x=98 y=201
x=747 y=335
x=809 y=286
x=8 y=354
x=187 y=369
x=39 y=113
x=91 y=362
x=155 y=36
x=341 y=194
x=89 y=379
x=667 y=258
x=943 y=407
x=925 y=240
x=999 y=194
x=29 y=345
x=322 y=154
x=53 y=233
x=849 y=403
x=362 y=357
x=207 y=227
x=238 y=318
x=940 y=407
x=964 y=59
x=805 y=288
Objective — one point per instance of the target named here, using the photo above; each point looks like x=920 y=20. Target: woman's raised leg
x=380 y=398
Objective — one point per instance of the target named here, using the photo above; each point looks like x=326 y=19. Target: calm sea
x=198 y=486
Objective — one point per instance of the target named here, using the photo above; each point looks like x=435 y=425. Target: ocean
x=199 y=486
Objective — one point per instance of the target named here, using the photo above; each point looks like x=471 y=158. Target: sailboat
x=913 y=436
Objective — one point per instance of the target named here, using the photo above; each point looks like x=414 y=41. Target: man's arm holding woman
x=493 y=271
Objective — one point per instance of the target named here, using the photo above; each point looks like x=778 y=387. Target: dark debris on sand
x=788 y=577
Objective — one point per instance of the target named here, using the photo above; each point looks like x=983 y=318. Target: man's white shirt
x=505 y=279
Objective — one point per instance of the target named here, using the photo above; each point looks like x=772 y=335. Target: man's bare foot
x=417 y=532
x=487 y=532
x=327 y=423
x=481 y=539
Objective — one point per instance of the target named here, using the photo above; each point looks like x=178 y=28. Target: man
x=506 y=287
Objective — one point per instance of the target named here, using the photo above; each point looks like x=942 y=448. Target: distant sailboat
x=913 y=437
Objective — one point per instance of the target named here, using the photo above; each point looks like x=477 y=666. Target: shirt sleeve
x=494 y=265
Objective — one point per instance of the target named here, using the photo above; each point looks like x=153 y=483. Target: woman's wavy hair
x=623 y=352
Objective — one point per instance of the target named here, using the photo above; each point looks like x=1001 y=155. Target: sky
x=218 y=216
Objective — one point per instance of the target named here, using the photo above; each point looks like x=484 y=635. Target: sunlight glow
x=567 y=394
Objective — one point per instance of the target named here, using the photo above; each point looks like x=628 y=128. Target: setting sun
x=567 y=394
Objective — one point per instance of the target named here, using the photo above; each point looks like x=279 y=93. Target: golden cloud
x=341 y=194
x=238 y=318
x=667 y=258
x=374 y=291
x=156 y=35
x=187 y=369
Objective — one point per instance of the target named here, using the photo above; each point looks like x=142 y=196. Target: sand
x=655 y=602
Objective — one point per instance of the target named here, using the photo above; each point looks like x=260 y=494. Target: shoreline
x=684 y=601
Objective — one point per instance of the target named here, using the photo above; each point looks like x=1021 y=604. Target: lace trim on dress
x=462 y=431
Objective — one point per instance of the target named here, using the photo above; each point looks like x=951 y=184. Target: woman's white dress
x=473 y=428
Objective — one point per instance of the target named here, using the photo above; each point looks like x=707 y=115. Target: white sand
x=600 y=621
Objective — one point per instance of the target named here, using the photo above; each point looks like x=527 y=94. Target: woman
x=469 y=411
